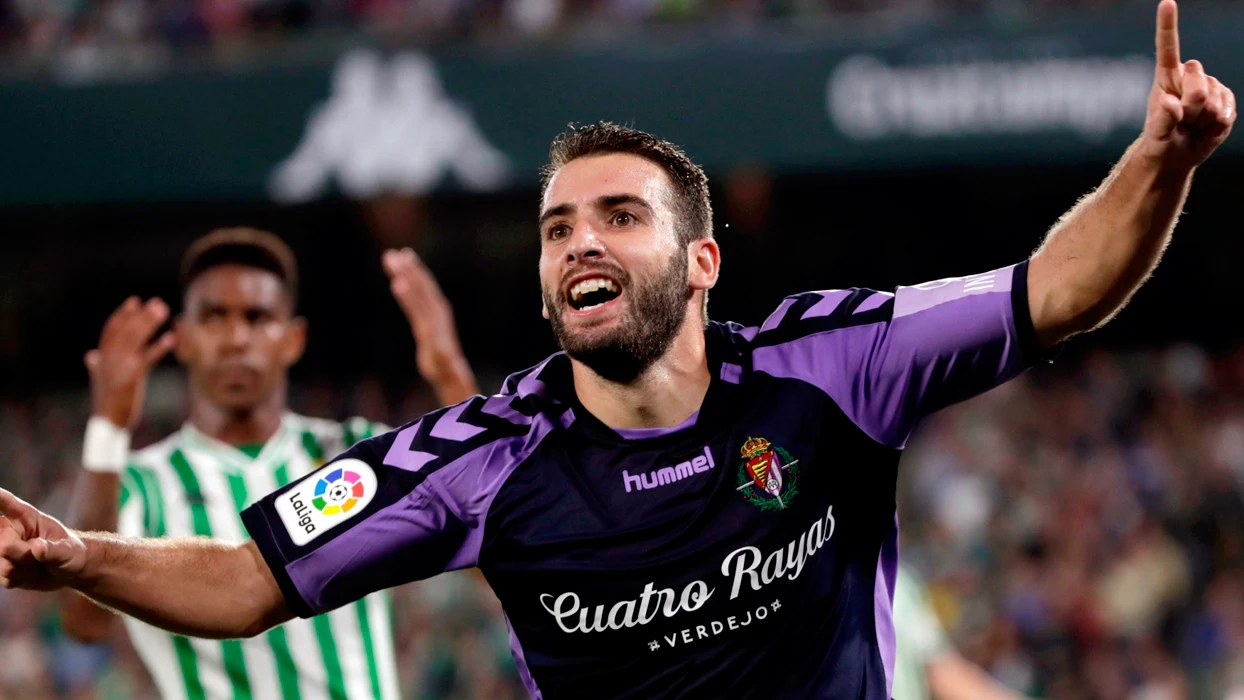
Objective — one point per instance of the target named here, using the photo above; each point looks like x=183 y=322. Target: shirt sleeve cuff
x=268 y=542
x=1025 y=331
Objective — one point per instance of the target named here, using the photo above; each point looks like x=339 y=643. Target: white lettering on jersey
x=573 y=615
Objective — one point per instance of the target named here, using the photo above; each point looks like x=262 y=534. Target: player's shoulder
x=158 y=455
x=318 y=427
x=807 y=313
x=482 y=433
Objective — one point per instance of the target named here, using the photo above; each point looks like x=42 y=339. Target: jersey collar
x=234 y=458
x=717 y=404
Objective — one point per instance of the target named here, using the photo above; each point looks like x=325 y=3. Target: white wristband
x=106 y=448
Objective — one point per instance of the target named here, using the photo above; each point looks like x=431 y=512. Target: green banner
x=369 y=120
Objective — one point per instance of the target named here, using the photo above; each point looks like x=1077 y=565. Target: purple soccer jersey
x=749 y=552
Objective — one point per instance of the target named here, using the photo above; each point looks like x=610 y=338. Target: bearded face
x=654 y=310
x=616 y=276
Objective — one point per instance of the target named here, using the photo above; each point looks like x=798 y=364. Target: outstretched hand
x=438 y=353
x=125 y=356
x=1190 y=112
x=36 y=552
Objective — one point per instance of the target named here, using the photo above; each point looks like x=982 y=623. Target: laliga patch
x=326 y=499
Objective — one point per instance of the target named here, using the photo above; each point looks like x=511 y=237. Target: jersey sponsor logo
x=746 y=568
x=768 y=475
x=668 y=475
x=326 y=499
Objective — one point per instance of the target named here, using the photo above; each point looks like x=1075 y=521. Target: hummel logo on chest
x=668 y=475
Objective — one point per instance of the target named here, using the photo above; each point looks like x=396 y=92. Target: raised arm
x=1105 y=247
x=195 y=587
x=438 y=354
x=118 y=370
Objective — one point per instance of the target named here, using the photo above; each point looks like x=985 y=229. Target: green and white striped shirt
x=191 y=484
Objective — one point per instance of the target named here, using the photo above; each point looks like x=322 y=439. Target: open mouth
x=592 y=292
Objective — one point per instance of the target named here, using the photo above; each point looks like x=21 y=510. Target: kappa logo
x=768 y=475
x=326 y=499
x=388 y=126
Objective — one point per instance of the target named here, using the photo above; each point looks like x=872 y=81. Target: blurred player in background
x=237 y=336
x=673 y=507
x=926 y=665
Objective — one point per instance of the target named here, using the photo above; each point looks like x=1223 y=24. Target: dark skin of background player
x=237 y=337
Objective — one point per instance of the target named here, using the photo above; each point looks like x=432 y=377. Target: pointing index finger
x=1168 y=35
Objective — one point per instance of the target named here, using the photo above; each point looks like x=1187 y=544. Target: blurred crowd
x=1082 y=528
x=81 y=37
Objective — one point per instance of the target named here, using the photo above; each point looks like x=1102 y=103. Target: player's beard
x=655 y=311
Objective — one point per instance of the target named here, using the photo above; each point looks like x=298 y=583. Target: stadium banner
x=367 y=120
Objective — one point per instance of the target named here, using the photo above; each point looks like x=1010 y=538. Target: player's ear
x=544 y=310
x=295 y=341
x=703 y=262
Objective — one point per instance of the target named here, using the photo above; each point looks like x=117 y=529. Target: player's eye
x=624 y=218
x=257 y=316
x=558 y=231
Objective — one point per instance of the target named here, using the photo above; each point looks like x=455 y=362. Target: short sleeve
x=890 y=359
x=394 y=508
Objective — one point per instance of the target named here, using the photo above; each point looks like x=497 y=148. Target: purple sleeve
x=889 y=360
x=395 y=508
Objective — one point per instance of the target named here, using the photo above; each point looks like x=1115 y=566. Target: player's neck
x=253 y=425
x=665 y=395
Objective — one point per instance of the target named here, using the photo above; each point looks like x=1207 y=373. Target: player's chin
x=237 y=396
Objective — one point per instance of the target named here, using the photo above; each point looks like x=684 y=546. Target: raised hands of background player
x=36 y=552
x=1190 y=112
x=438 y=354
x=126 y=354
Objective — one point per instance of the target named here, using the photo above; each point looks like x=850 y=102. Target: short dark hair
x=691 y=201
x=241 y=246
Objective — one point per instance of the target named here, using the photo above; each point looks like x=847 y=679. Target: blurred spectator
x=82 y=39
x=1081 y=528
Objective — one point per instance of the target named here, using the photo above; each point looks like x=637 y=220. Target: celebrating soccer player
x=671 y=506
x=237 y=337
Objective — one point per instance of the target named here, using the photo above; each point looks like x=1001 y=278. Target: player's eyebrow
x=559 y=210
x=605 y=201
x=609 y=201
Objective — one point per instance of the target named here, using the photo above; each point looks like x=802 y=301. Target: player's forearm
x=94 y=505
x=190 y=586
x=1105 y=247
x=84 y=620
x=456 y=385
x=93 y=508
x=951 y=677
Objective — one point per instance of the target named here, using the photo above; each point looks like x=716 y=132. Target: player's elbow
x=246 y=620
x=263 y=604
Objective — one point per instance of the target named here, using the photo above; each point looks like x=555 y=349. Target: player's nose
x=237 y=333
x=585 y=244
